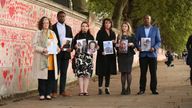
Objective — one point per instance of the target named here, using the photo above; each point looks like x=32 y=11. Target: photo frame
x=92 y=46
x=145 y=44
x=108 y=47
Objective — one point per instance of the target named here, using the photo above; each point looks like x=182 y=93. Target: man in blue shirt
x=148 y=58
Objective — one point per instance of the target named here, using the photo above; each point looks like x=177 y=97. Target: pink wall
x=18 y=23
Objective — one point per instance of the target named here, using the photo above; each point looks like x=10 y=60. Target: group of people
x=49 y=66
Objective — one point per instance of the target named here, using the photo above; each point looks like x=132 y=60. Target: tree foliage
x=102 y=8
x=173 y=17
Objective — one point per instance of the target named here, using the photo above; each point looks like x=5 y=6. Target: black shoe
x=100 y=92
x=107 y=91
x=155 y=93
x=141 y=92
x=128 y=91
x=123 y=92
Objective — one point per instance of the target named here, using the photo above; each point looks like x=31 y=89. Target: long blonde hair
x=129 y=31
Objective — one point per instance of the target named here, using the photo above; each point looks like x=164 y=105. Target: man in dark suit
x=148 y=58
x=62 y=31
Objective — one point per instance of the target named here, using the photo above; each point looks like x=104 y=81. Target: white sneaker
x=48 y=97
x=42 y=97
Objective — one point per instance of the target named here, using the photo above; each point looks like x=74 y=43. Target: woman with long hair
x=83 y=61
x=125 y=56
x=105 y=63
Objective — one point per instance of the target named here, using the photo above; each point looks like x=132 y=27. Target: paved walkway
x=175 y=92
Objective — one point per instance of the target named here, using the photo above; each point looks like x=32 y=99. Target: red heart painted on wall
x=2 y=44
x=11 y=76
x=2 y=3
x=5 y=72
x=11 y=11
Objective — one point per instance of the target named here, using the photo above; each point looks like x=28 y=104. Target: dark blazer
x=67 y=55
x=105 y=64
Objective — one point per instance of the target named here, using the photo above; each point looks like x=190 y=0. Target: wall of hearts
x=18 y=23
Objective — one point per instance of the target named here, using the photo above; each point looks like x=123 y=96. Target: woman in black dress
x=125 y=56
x=189 y=56
x=83 y=60
x=105 y=64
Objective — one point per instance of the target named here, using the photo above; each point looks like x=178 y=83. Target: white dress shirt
x=147 y=29
x=61 y=31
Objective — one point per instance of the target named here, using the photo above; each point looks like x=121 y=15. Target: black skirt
x=125 y=63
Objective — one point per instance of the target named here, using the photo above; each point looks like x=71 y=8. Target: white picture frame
x=145 y=44
x=82 y=45
x=51 y=46
x=66 y=43
x=108 y=47
x=92 y=46
x=123 y=46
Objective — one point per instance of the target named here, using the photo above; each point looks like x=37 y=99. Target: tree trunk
x=117 y=13
x=127 y=14
x=63 y=2
x=80 y=6
x=127 y=10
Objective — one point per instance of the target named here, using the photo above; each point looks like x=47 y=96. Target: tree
x=66 y=3
x=80 y=6
x=117 y=12
x=102 y=8
x=77 y=5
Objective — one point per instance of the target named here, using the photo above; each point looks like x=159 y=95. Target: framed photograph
x=145 y=44
x=123 y=46
x=108 y=47
x=92 y=46
x=66 y=43
x=51 y=47
x=82 y=45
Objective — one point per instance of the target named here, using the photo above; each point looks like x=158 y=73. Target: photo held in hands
x=145 y=44
x=108 y=47
x=92 y=46
x=66 y=43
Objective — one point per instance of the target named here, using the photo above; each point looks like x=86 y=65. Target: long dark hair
x=103 y=23
x=40 y=23
x=88 y=32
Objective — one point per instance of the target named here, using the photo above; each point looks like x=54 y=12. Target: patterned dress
x=83 y=61
x=83 y=64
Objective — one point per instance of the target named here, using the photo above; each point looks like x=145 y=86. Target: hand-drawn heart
x=2 y=44
x=3 y=3
x=5 y=72
x=11 y=11
x=11 y=77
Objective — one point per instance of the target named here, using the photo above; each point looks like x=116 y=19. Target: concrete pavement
x=173 y=86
